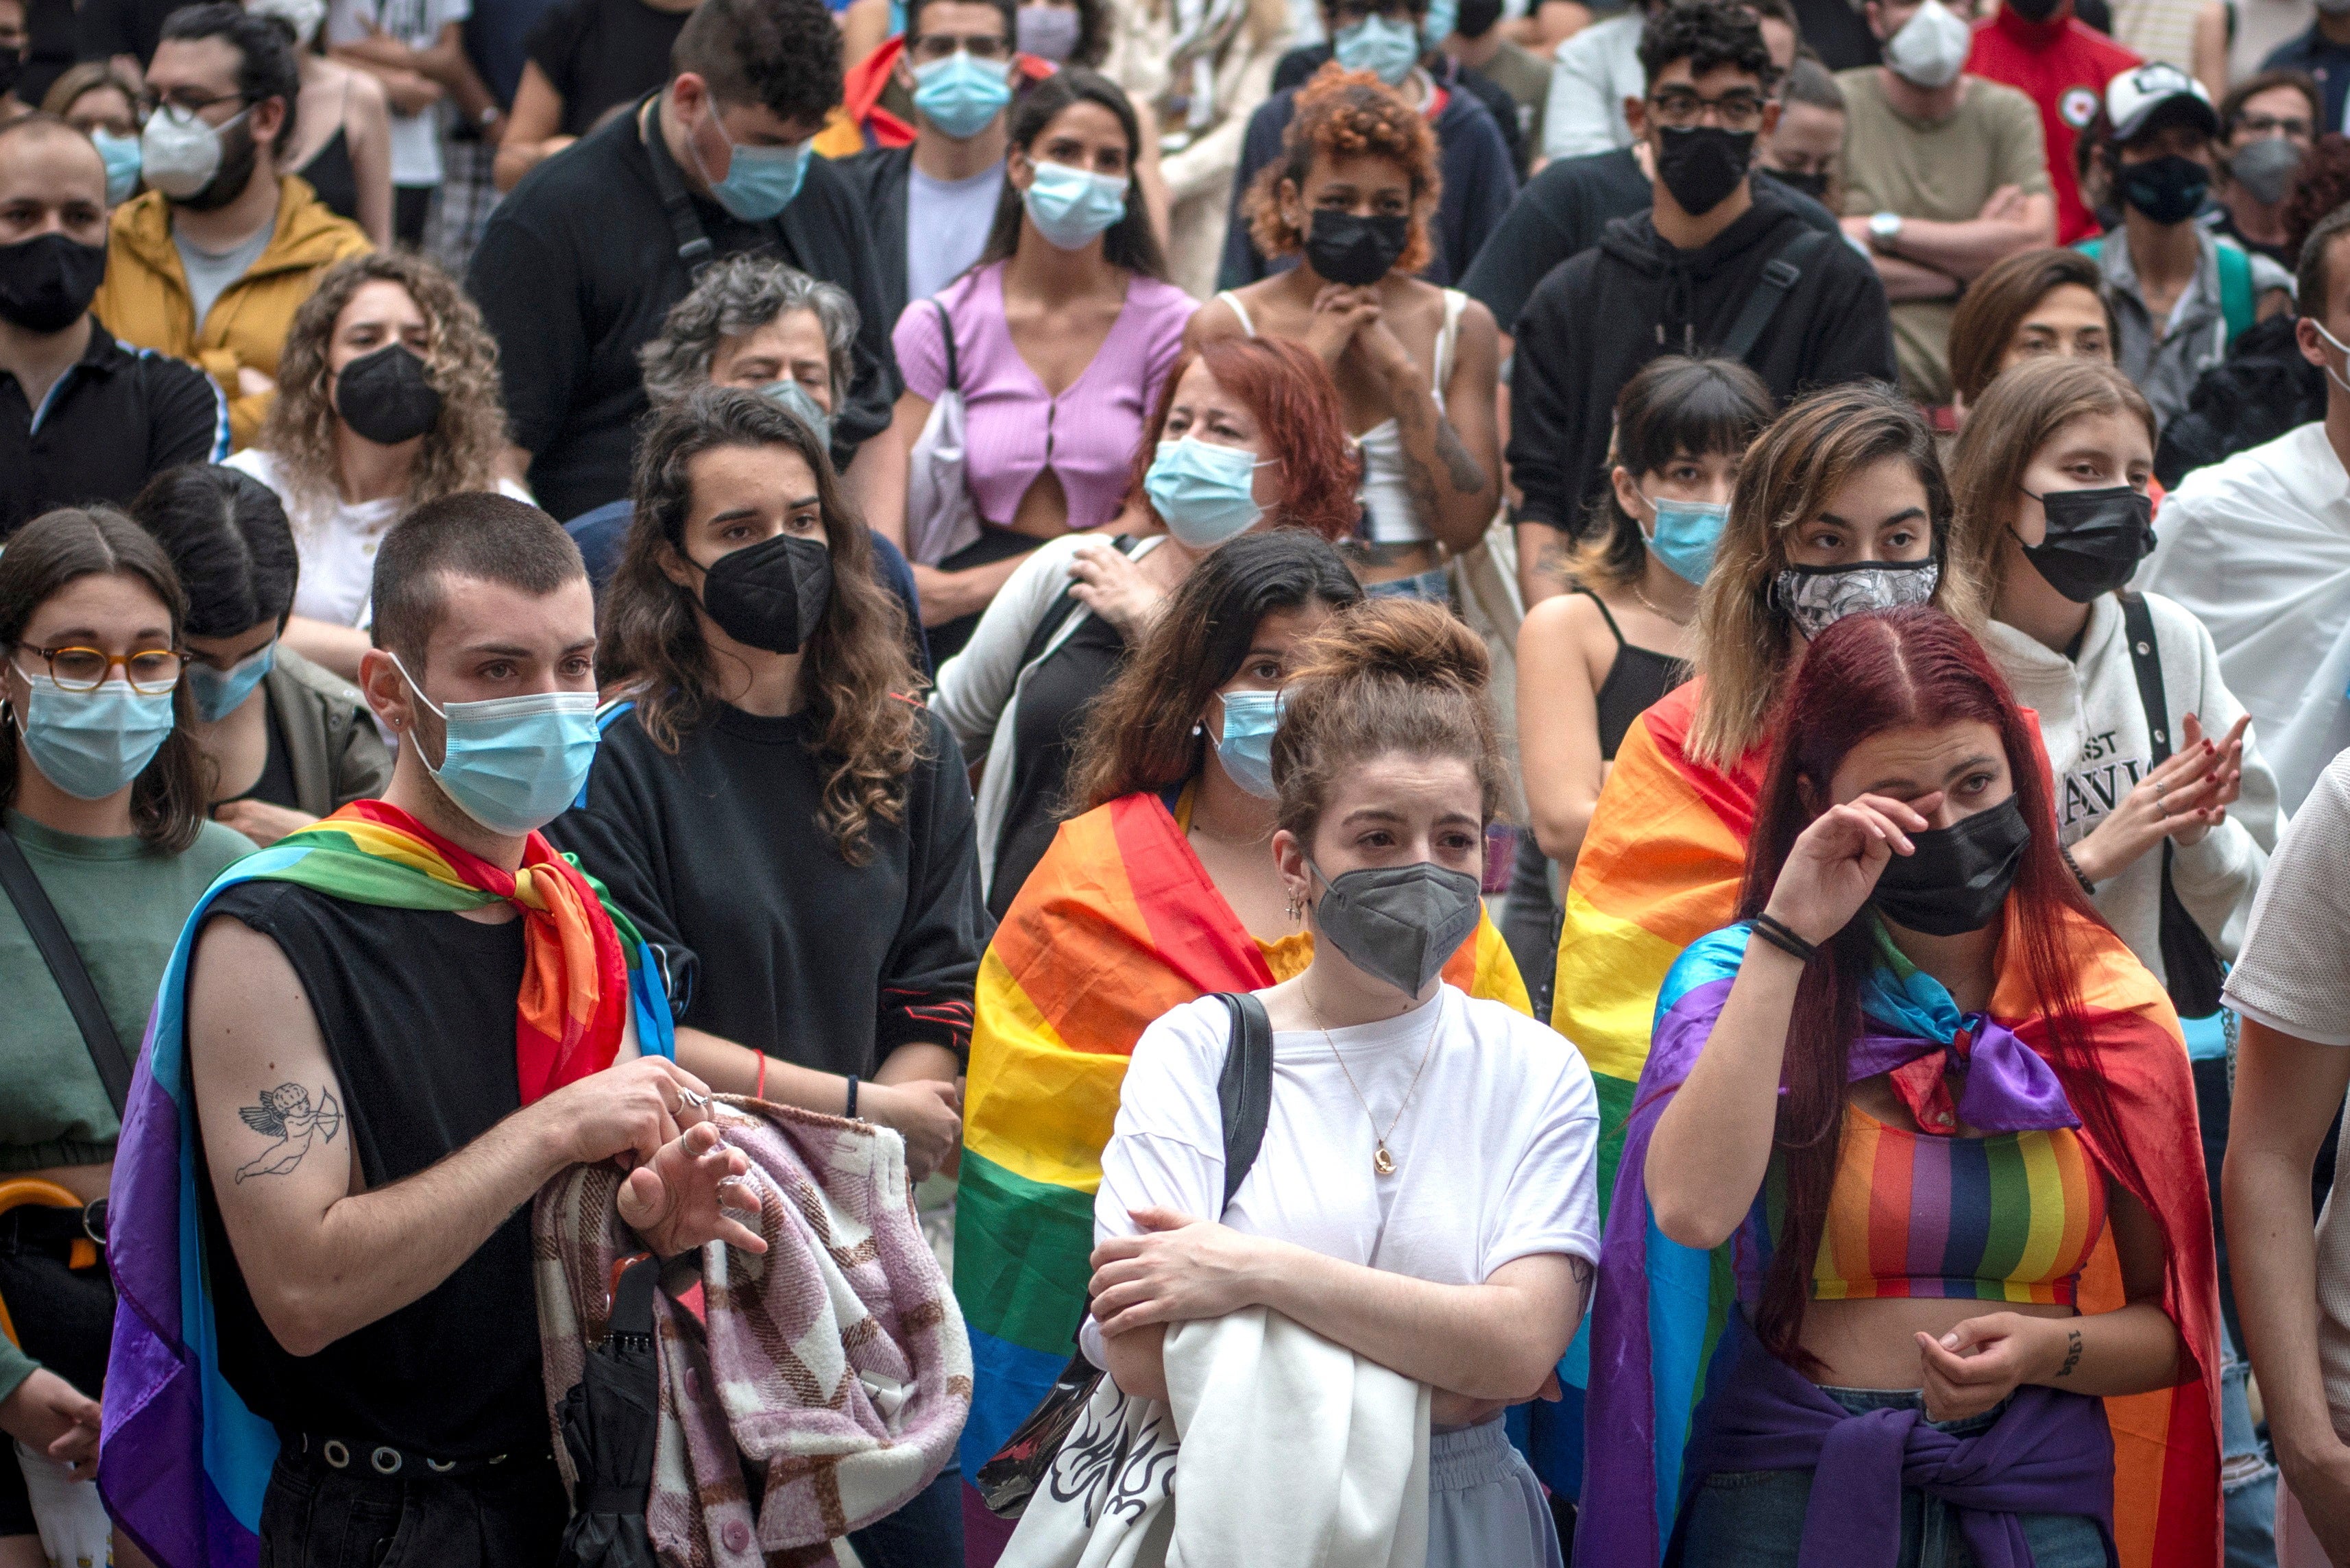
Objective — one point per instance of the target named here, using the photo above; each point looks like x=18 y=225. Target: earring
x=1297 y=909
x=1198 y=731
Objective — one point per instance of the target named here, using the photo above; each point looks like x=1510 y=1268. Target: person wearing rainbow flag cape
x=377 y=1039
x=1910 y=1245
x=1163 y=891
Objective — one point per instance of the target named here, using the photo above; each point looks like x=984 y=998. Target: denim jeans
x=2247 y=1478
x=1754 y=1519
x=1434 y=585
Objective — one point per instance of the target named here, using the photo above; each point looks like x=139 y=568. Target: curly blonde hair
x=460 y=361
x=1347 y=114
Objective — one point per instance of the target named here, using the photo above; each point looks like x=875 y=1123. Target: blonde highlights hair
x=2022 y=411
x=1746 y=645
x=460 y=361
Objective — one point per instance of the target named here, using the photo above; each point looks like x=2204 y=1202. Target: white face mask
x=2332 y=374
x=1930 y=49
x=304 y=17
x=179 y=152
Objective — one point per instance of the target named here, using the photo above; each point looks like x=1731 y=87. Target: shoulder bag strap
x=1779 y=276
x=2137 y=626
x=1244 y=1089
x=57 y=950
x=946 y=333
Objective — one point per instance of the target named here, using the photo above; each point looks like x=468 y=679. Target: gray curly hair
x=740 y=295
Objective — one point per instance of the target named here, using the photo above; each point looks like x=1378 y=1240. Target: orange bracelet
x=759 y=1090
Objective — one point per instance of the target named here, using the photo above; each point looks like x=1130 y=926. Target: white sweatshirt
x=2099 y=747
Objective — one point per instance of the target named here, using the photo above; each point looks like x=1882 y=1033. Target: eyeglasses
x=187 y=101
x=1678 y=110
x=151 y=672
x=934 y=46
x=2270 y=125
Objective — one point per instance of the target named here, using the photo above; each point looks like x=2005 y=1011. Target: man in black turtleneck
x=1719 y=264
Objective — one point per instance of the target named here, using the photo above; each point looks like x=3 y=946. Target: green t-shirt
x=123 y=903
x=1942 y=171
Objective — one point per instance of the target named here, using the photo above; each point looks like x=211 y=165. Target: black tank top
x=418 y=1012
x=330 y=174
x=1638 y=676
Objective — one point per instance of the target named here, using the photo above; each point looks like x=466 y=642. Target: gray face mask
x=1817 y=598
x=2265 y=169
x=794 y=400
x=1398 y=923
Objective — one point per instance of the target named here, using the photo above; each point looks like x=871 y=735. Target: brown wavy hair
x=1387 y=675
x=857 y=673
x=460 y=359
x=2020 y=412
x=48 y=555
x=1288 y=389
x=1347 y=114
x=1746 y=645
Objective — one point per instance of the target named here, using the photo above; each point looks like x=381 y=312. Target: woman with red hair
x=1942 y=1122
x=1245 y=437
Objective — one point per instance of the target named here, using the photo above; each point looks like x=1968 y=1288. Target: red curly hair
x=1286 y=386
x=1347 y=114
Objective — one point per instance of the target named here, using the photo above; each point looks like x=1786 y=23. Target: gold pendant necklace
x=1382 y=1162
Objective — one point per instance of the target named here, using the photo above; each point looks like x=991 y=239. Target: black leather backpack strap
x=1244 y=1089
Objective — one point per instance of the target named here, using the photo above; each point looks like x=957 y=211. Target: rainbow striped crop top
x=2012 y=1216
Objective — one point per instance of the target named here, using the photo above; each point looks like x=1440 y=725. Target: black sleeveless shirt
x=1635 y=681
x=418 y=1012
x=332 y=175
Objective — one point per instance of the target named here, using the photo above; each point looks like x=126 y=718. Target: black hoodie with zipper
x=1605 y=311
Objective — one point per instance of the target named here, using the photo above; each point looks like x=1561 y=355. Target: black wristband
x=1778 y=934
x=2079 y=876
x=851 y=1112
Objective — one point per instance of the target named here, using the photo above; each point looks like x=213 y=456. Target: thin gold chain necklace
x=1656 y=609
x=1382 y=1162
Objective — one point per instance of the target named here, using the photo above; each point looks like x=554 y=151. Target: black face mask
x=235 y=173
x=1813 y=184
x=2168 y=189
x=2033 y=10
x=2096 y=539
x=1958 y=876
x=1702 y=164
x=773 y=593
x=385 y=397
x=47 y=282
x=1355 y=251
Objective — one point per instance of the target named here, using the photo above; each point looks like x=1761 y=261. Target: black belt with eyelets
x=385 y=1461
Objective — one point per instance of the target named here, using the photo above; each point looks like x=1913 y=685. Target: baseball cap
x=2134 y=97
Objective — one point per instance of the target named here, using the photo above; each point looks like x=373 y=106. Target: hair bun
x=1409 y=638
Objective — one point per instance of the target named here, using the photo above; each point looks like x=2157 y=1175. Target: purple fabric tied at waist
x=2048 y=1452
x=2004 y=1085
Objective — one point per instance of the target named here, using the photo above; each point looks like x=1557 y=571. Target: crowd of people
x=1063 y=782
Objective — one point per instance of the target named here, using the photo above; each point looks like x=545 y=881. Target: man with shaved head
x=82 y=418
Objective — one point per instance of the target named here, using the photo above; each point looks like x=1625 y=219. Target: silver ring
x=2160 y=789
x=687 y=1097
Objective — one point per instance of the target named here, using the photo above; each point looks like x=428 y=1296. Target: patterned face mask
x=1817 y=598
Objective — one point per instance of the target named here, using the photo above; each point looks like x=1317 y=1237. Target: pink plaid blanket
x=834 y=1371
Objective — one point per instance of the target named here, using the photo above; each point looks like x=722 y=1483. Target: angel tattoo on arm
x=285 y=1114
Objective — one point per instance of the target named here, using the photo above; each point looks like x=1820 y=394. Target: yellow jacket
x=145 y=302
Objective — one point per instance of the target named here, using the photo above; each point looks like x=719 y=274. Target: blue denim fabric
x=1433 y=584
x=1754 y=1519
x=2247 y=1478
x=925 y=1534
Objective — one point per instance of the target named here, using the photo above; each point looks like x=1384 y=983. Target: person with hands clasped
x=1942 y=1120
x=1416 y=366
x=380 y=1038
x=1424 y=1192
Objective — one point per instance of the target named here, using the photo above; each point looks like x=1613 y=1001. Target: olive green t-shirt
x=123 y=903
x=1942 y=171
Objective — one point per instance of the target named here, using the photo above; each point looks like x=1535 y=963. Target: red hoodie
x=2062 y=65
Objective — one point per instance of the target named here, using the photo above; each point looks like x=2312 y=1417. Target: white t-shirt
x=415 y=137
x=947 y=222
x=2293 y=975
x=337 y=542
x=1495 y=1155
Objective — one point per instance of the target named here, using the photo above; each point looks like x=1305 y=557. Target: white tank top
x=1386 y=493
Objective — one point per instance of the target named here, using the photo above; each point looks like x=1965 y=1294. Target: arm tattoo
x=285 y=1114
x=2072 y=1352
x=1467 y=474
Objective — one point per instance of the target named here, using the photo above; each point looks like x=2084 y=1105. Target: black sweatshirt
x=718 y=855
x=1603 y=313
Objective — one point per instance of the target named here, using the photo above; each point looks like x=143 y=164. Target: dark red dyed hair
x=1296 y=408
x=1915 y=667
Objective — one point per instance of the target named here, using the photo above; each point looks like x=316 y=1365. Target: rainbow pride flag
x=187 y=1461
x=1117 y=924
x=1660 y=1309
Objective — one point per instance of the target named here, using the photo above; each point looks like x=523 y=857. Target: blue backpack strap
x=2236 y=302
x=604 y=716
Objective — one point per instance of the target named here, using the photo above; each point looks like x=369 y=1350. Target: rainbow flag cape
x=1117 y=924
x=187 y=1461
x=1659 y=1308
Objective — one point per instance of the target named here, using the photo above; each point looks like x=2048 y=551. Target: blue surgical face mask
x=1443 y=16
x=1246 y=749
x=514 y=764
x=1387 y=49
x=1070 y=207
x=92 y=744
x=759 y=181
x=794 y=400
x=1203 y=491
x=122 y=155
x=217 y=693
x=962 y=96
x=1685 y=535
